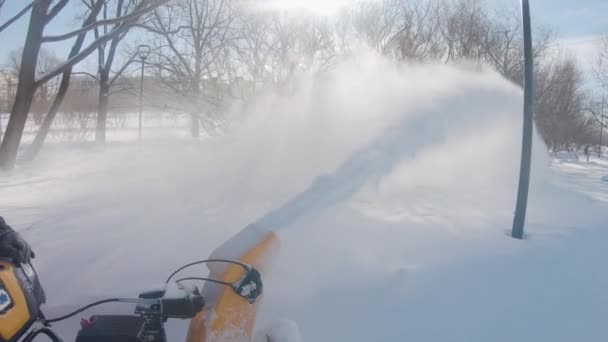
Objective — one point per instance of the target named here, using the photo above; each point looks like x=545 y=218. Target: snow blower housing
x=20 y=298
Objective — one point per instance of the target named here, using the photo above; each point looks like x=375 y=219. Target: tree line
x=206 y=54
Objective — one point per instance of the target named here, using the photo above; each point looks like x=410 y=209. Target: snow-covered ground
x=392 y=190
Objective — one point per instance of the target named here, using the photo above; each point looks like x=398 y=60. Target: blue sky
x=571 y=19
x=13 y=37
x=578 y=23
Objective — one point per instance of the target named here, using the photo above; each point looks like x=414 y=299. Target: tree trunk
x=63 y=89
x=102 y=109
x=44 y=129
x=26 y=86
x=195 y=127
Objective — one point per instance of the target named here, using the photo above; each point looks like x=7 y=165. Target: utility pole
x=526 y=147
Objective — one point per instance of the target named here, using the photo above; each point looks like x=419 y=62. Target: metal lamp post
x=143 y=51
x=526 y=147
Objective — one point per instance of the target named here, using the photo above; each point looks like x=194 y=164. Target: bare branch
x=153 y=30
x=600 y=67
x=165 y=33
x=85 y=74
x=122 y=69
x=135 y=14
x=86 y=3
x=55 y=10
x=124 y=26
x=18 y=15
x=79 y=57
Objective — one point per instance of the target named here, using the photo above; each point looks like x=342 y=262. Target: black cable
x=86 y=307
x=245 y=266
x=205 y=279
x=115 y=300
x=42 y=330
x=61 y=318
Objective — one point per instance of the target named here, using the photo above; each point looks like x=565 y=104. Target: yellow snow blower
x=223 y=309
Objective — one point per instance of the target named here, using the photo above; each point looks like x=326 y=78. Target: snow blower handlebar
x=176 y=299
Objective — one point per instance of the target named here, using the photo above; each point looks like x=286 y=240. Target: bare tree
x=253 y=52
x=375 y=23
x=190 y=36
x=600 y=67
x=42 y=14
x=596 y=109
x=285 y=57
x=46 y=61
x=63 y=87
x=250 y=61
x=273 y=47
x=207 y=53
x=465 y=24
x=316 y=43
x=560 y=114
x=419 y=31
x=106 y=55
x=402 y=29
x=502 y=44
x=44 y=94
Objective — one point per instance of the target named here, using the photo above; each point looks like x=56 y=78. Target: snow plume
x=395 y=135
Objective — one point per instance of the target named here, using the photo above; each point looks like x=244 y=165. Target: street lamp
x=143 y=51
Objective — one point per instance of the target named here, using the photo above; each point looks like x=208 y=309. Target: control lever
x=176 y=300
x=250 y=285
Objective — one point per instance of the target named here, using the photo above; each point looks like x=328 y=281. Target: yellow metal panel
x=232 y=318
x=18 y=316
